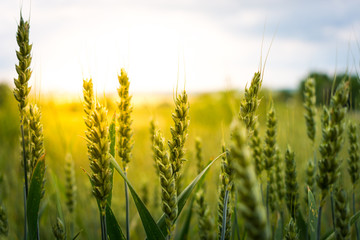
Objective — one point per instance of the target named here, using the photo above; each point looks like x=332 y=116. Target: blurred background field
x=210 y=117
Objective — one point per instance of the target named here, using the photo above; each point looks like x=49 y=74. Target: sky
x=204 y=45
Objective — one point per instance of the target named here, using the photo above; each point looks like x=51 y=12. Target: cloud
x=210 y=40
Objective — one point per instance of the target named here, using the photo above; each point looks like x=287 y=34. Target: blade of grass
x=226 y=200
x=34 y=198
x=184 y=232
x=149 y=224
x=312 y=215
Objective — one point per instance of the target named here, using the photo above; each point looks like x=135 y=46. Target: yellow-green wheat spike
x=332 y=140
x=310 y=107
x=167 y=182
x=70 y=184
x=99 y=156
x=89 y=103
x=23 y=70
x=250 y=103
x=125 y=132
x=292 y=232
x=292 y=194
x=36 y=136
x=179 y=135
x=59 y=230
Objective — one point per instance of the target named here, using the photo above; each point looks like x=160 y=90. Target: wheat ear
x=247 y=185
x=250 y=103
x=167 y=182
x=179 y=135
x=59 y=230
x=292 y=195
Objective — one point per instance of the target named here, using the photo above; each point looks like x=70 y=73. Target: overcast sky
x=213 y=44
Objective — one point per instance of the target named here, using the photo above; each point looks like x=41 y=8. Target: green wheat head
x=250 y=102
x=251 y=207
x=125 y=132
x=152 y=134
x=27 y=141
x=89 y=102
x=279 y=178
x=36 y=136
x=179 y=134
x=273 y=191
x=292 y=232
x=23 y=70
x=310 y=107
x=332 y=139
x=70 y=184
x=354 y=157
x=310 y=180
x=292 y=195
x=270 y=139
x=59 y=230
x=99 y=156
x=342 y=215
x=256 y=150
x=226 y=183
x=167 y=182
